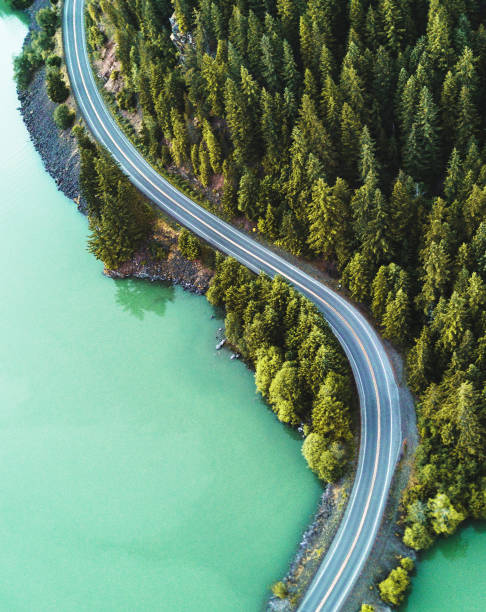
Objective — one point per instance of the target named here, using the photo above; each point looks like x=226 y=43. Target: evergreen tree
x=357 y=276
x=454 y=178
x=330 y=417
x=396 y=320
x=330 y=216
x=350 y=144
x=468 y=120
x=180 y=144
x=407 y=106
x=212 y=71
x=439 y=36
x=189 y=245
x=369 y=168
x=269 y=363
x=119 y=231
x=212 y=146
x=420 y=362
x=204 y=166
x=248 y=193
x=422 y=149
x=229 y=198
x=285 y=394
x=393 y=23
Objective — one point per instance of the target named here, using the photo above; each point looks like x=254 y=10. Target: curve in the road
x=377 y=388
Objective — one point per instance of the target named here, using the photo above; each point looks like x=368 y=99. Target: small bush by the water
x=394 y=587
x=64 y=117
x=408 y=564
x=280 y=590
x=25 y=65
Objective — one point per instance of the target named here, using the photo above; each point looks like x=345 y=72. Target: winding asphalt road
x=378 y=391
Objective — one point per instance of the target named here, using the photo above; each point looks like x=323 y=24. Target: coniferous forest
x=351 y=133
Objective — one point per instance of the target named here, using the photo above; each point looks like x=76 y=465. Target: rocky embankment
x=191 y=275
x=57 y=148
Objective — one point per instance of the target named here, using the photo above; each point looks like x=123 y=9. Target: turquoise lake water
x=452 y=576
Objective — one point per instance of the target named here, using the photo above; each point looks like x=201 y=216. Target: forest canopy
x=352 y=133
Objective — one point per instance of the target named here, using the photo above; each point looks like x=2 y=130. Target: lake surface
x=138 y=468
x=452 y=576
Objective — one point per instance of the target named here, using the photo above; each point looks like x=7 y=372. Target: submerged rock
x=279 y=605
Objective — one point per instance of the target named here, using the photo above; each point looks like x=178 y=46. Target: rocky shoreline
x=57 y=149
x=176 y=270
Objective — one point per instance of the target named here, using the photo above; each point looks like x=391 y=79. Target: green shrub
x=158 y=251
x=189 y=245
x=96 y=37
x=393 y=588
x=42 y=42
x=64 y=117
x=328 y=461
x=54 y=61
x=25 y=66
x=48 y=20
x=407 y=564
x=417 y=536
x=126 y=99
x=57 y=90
x=280 y=590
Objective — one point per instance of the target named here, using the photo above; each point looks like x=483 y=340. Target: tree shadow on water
x=458 y=544
x=138 y=297
x=479 y=526
x=455 y=547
